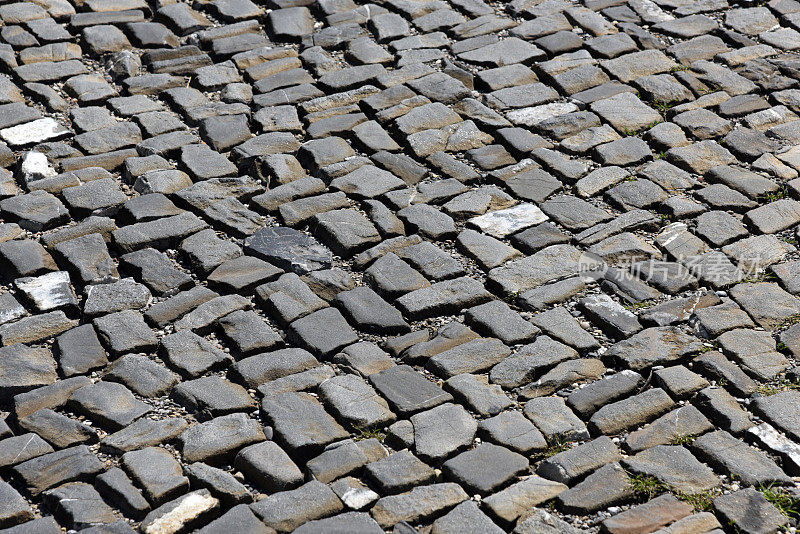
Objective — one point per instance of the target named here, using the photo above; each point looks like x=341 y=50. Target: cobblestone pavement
x=435 y=266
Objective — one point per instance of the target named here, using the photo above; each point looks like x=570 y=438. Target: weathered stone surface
x=485 y=468
x=14 y=510
x=674 y=466
x=418 y=504
x=286 y=510
x=143 y=433
x=499 y=238
x=399 y=472
x=549 y=264
x=301 y=423
x=109 y=404
x=354 y=401
x=20 y=448
x=751 y=466
x=520 y=368
x=58 y=429
x=79 y=504
x=749 y=511
x=218 y=440
x=155 y=470
x=635 y=410
x=191 y=355
x=24 y=368
x=607 y=486
x=407 y=390
x=570 y=465
x=766 y=303
x=654 y=346
x=66 y=465
x=651 y=515
x=682 y=421
x=442 y=431
x=555 y=419
x=268 y=466
x=517 y=499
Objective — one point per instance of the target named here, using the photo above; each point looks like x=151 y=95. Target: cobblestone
x=445 y=266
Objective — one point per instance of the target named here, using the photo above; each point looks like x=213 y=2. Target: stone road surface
x=434 y=266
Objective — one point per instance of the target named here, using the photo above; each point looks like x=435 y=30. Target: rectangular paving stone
x=407 y=390
x=67 y=465
x=158 y=234
x=626 y=413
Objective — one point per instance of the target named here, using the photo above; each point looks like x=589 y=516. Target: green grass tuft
x=772 y=196
x=664 y=106
x=764 y=276
x=782 y=500
x=682 y=439
x=774 y=388
x=557 y=447
x=369 y=433
x=701 y=501
x=646 y=487
x=636 y=306
x=789 y=321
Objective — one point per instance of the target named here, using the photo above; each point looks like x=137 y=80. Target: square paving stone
x=287 y=510
x=219 y=439
x=125 y=331
x=654 y=514
x=748 y=510
x=111 y=405
x=674 y=466
x=212 y=395
x=190 y=354
x=355 y=402
x=36 y=211
x=79 y=505
x=80 y=351
x=15 y=509
x=323 y=332
x=301 y=423
x=625 y=112
x=407 y=390
x=399 y=472
x=289 y=249
x=158 y=472
x=485 y=468
x=514 y=501
x=288 y=298
x=346 y=231
x=142 y=375
x=370 y=313
x=766 y=303
x=442 y=431
x=269 y=467
x=21 y=448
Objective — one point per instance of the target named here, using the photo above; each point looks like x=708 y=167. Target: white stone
x=192 y=506
x=502 y=223
x=766 y=119
x=11 y=312
x=33 y=132
x=35 y=167
x=358 y=498
x=649 y=9
x=775 y=441
x=49 y=291
x=536 y=114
